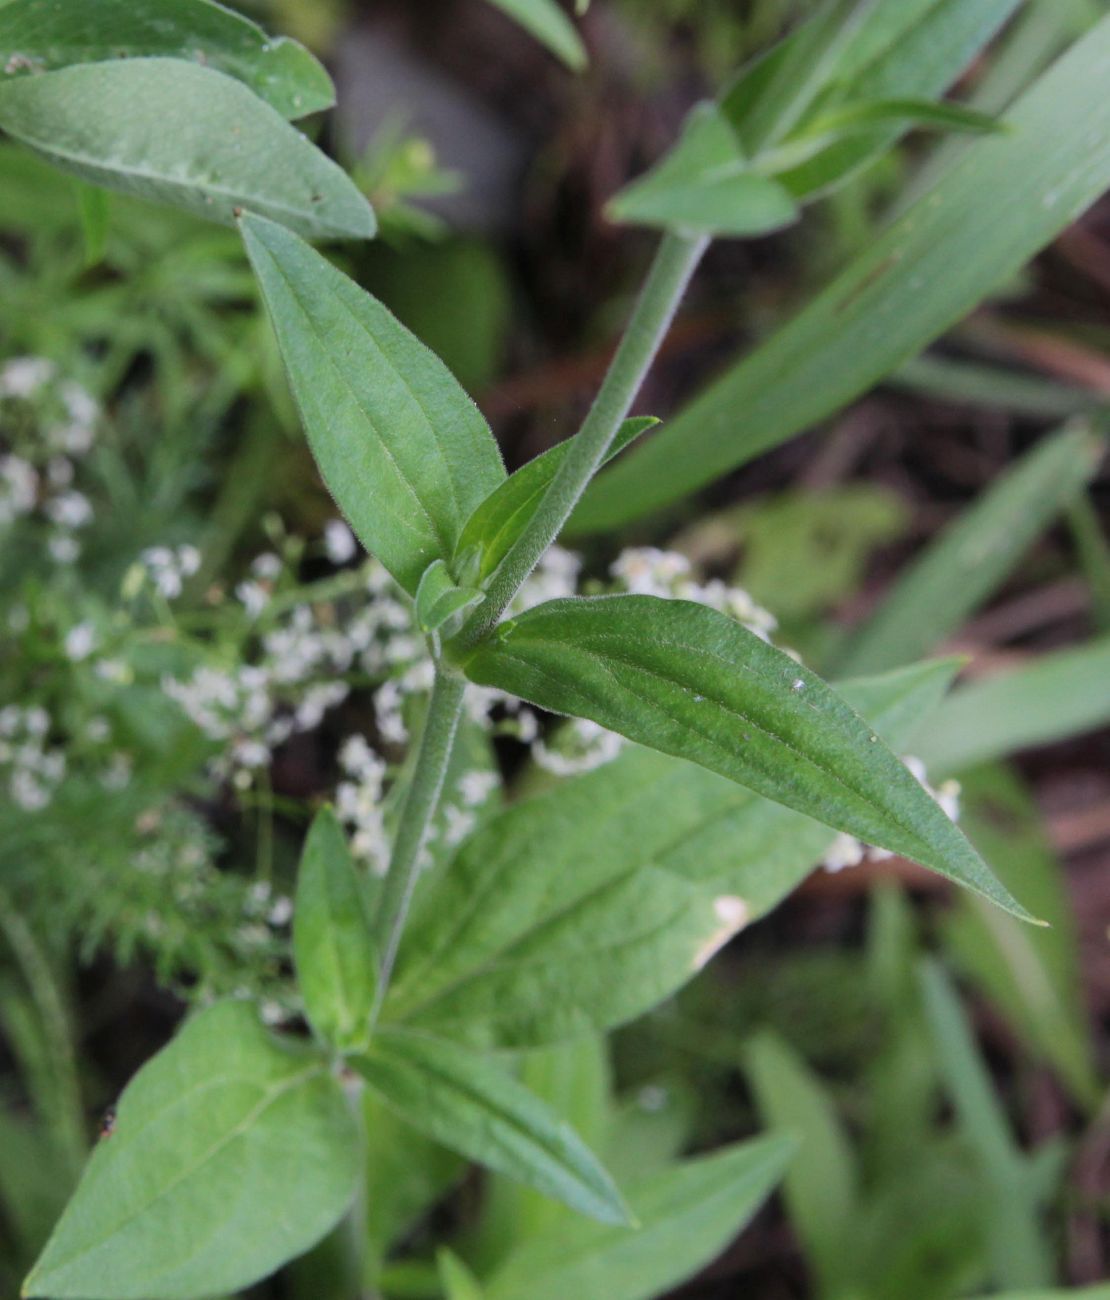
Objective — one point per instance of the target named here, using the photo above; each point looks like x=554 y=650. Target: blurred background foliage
x=944 y=1066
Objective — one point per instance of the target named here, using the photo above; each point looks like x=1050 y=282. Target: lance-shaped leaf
x=970 y=559
x=464 y=1101
x=687 y=1215
x=924 y=272
x=332 y=944
x=43 y=35
x=550 y=26
x=584 y=907
x=231 y=1153
x=217 y=147
x=495 y=525
x=403 y=450
x=706 y=186
x=694 y=683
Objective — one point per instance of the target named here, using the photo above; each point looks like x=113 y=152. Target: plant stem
x=674 y=264
x=670 y=273
x=419 y=807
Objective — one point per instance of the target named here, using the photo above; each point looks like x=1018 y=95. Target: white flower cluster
x=169 y=567
x=38 y=477
x=847 y=851
x=33 y=769
x=647 y=571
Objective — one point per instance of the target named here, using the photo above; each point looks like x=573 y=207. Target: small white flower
x=24 y=376
x=81 y=640
x=69 y=510
x=63 y=548
x=339 y=542
x=254 y=598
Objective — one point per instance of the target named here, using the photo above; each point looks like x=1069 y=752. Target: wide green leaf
x=498 y=521
x=691 y=682
x=403 y=450
x=232 y=1152
x=705 y=186
x=218 y=147
x=925 y=272
x=970 y=559
x=43 y=35
x=332 y=944
x=686 y=1216
x=465 y=1101
x=550 y=26
x=584 y=907
x=1058 y=695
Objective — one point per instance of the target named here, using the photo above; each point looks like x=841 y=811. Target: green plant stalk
x=674 y=264
x=420 y=803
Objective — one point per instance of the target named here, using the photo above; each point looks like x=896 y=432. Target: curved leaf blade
x=44 y=35
x=687 y=1215
x=458 y=1098
x=693 y=683
x=333 y=947
x=403 y=450
x=231 y=1153
x=501 y=518
x=550 y=26
x=218 y=147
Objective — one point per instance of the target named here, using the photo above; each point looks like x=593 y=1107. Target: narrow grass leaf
x=691 y=682
x=1062 y=694
x=463 y=1100
x=687 y=1215
x=822 y=1185
x=44 y=35
x=403 y=450
x=332 y=945
x=231 y=1153
x=925 y=272
x=459 y=1283
x=969 y=560
x=550 y=26
x=218 y=147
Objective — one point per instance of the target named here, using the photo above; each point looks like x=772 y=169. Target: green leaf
x=925 y=272
x=692 y=682
x=440 y=602
x=218 y=148
x=1018 y=1251
x=971 y=558
x=461 y=1099
x=1080 y=1293
x=1058 y=695
x=687 y=1215
x=332 y=945
x=44 y=35
x=822 y=1184
x=705 y=186
x=459 y=1283
x=403 y=450
x=584 y=907
x=232 y=1152
x=1031 y=975
x=545 y=20
x=500 y=519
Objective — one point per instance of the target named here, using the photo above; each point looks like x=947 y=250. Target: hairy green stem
x=674 y=264
x=670 y=273
x=419 y=807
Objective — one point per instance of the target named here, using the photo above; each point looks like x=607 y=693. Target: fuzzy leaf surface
x=332 y=944
x=44 y=35
x=218 y=148
x=403 y=450
x=465 y=1101
x=232 y=1152
x=691 y=682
